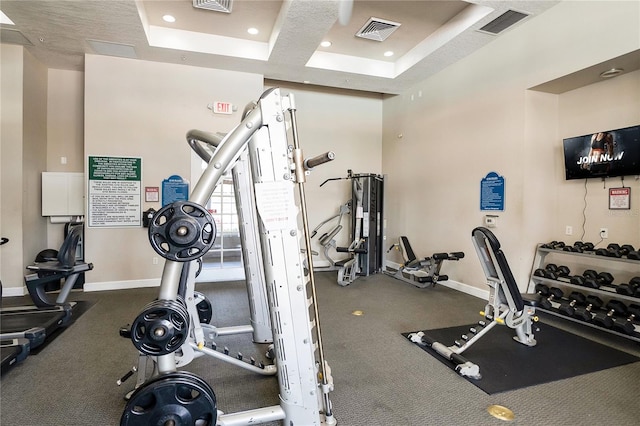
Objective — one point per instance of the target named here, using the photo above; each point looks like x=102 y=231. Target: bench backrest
x=495 y=265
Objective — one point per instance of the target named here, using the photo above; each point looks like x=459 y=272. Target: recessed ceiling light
x=388 y=53
x=611 y=73
x=306 y=82
x=168 y=18
x=325 y=44
x=253 y=31
x=4 y=19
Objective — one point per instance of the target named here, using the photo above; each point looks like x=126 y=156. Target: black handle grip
x=310 y=163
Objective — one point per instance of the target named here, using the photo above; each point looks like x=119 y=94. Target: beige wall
x=24 y=118
x=443 y=136
x=65 y=131
x=435 y=142
x=349 y=124
x=144 y=109
x=11 y=130
x=34 y=157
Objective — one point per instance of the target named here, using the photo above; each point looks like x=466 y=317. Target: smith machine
x=169 y=330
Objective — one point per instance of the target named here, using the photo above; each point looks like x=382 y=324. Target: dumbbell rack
x=604 y=292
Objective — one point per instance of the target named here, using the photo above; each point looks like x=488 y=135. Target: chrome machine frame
x=277 y=168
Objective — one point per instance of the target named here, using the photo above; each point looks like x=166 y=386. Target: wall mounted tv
x=603 y=154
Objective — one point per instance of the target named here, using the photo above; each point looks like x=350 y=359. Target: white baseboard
x=14 y=291
x=121 y=285
x=206 y=275
x=465 y=288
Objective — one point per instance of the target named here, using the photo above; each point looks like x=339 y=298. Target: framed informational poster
x=114 y=192
x=174 y=188
x=619 y=198
x=492 y=192
x=151 y=194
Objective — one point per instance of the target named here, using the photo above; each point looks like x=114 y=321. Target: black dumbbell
x=554 y=294
x=627 y=326
x=589 y=279
x=605 y=278
x=626 y=249
x=575 y=298
x=615 y=307
x=593 y=302
x=612 y=250
x=563 y=271
x=542 y=290
x=634 y=255
x=555 y=245
x=630 y=289
x=584 y=246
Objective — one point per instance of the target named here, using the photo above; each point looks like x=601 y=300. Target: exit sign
x=222 y=108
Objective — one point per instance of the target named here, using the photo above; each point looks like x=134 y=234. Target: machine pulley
x=182 y=231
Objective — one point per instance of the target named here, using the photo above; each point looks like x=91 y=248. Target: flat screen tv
x=603 y=154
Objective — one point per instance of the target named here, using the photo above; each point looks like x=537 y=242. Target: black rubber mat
x=507 y=365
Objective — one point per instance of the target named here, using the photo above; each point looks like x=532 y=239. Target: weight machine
x=199 y=308
x=419 y=272
x=505 y=306
x=184 y=231
x=367 y=234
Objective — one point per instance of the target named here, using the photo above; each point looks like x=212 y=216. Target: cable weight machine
x=304 y=376
x=367 y=233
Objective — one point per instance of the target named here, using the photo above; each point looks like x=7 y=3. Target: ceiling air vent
x=377 y=29
x=502 y=22
x=215 y=5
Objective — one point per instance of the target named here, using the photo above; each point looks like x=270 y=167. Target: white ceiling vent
x=502 y=22
x=112 y=49
x=377 y=29
x=215 y=5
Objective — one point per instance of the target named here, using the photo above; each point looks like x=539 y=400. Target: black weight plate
x=177 y=398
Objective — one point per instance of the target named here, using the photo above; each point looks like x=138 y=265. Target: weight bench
x=420 y=272
x=505 y=306
x=64 y=267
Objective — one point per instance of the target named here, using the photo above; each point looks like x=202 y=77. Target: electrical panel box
x=62 y=194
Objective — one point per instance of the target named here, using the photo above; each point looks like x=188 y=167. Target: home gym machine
x=199 y=307
x=421 y=273
x=505 y=306
x=367 y=233
x=187 y=232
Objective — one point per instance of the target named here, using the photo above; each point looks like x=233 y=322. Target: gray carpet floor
x=380 y=377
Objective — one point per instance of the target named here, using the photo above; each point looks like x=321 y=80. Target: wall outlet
x=154 y=260
x=568 y=230
x=604 y=233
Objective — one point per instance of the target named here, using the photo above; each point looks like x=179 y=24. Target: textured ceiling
x=432 y=35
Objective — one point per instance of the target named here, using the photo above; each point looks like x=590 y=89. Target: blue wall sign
x=492 y=192
x=174 y=189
